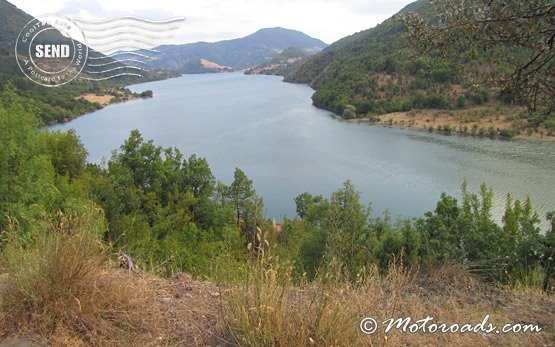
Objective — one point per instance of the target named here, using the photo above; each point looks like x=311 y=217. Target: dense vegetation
x=55 y=105
x=377 y=71
x=171 y=214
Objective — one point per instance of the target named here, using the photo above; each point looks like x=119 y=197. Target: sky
x=215 y=20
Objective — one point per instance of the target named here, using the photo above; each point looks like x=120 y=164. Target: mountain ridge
x=240 y=53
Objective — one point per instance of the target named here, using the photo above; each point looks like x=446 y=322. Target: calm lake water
x=272 y=132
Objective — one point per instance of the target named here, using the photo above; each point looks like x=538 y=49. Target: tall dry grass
x=268 y=309
x=59 y=287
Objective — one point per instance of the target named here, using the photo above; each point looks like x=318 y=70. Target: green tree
x=66 y=152
x=551 y=218
x=347 y=225
x=198 y=177
x=26 y=174
x=313 y=209
x=242 y=194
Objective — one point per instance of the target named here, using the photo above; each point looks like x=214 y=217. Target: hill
x=376 y=72
x=287 y=60
x=11 y=18
x=65 y=102
x=252 y=50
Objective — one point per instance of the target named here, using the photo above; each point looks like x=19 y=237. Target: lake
x=271 y=131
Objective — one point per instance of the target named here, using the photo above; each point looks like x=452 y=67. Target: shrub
x=506 y=133
x=480 y=97
x=349 y=112
x=492 y=132
x=146 y=94
x=461 y=101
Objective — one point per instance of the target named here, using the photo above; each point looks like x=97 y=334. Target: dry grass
x=61 y=289
x=265 y=310
x=268 y=310
x=65 y=291
x=101 y=99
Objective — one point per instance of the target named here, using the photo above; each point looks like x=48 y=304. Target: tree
x=241 y=194
x=198 y=177
x=551 y=219
x=347 y=224
x=26 y=174
x=519 y=35
x=66 y=151
x=312 y=209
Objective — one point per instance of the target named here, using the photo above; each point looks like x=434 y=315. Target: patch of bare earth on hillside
x=101 y=99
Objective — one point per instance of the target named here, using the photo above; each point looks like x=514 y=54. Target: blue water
x=272 y=132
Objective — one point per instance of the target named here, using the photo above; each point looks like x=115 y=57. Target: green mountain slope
x=376 y=72
x=11 y=18
x=287 y=60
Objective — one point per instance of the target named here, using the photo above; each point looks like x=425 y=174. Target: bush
x=492 y=132
x=506 y=133
x=442 y=73
x=147 y=94
x=461 y=101
x=480 y=97
x=349 y=112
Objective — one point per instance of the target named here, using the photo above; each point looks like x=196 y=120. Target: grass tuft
x=59 y=287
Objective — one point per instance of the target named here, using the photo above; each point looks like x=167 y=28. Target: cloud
x=92 y=9
x=213 y=20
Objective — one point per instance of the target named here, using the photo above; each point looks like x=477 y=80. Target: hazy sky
x=213 y=20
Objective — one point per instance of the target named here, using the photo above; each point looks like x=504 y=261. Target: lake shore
x=499 y=122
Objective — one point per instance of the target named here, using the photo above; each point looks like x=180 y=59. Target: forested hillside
x=53 y=105
x=378 y=71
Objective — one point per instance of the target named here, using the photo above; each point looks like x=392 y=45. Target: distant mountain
x=255 y=49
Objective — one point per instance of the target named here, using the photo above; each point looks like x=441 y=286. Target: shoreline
x=103 y=100
x=480 y=122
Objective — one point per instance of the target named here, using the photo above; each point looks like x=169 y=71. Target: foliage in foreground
x=455 y=232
